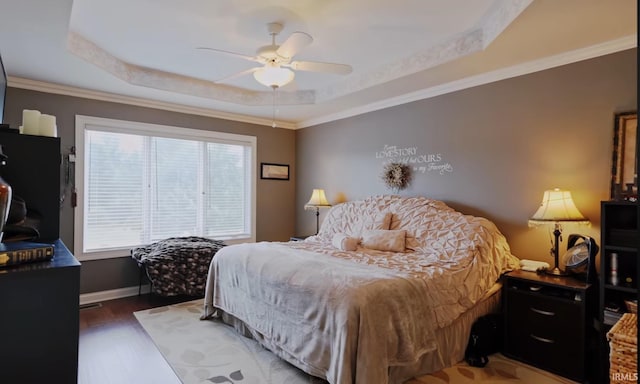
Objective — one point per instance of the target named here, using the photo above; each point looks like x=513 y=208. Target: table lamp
x=557 y=207
x=317 y=200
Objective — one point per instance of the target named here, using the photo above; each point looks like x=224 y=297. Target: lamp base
x=556 y=272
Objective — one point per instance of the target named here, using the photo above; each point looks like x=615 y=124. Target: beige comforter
x=349 y=316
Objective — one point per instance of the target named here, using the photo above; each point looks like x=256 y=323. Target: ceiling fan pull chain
x=273 y=116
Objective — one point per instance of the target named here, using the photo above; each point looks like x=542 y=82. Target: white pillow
x=344 y=242
x=384 y=240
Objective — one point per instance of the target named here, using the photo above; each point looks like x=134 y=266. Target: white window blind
x=143 y=183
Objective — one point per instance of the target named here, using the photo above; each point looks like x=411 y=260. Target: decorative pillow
x=344 y=242
x=381 y=240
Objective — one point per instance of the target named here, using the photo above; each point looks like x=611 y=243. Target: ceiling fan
x=276 y=70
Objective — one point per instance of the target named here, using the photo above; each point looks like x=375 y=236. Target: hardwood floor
x=115 y=349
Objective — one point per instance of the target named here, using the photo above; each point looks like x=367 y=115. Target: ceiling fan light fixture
x=273 y=76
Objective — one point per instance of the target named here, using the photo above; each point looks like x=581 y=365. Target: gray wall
x=506 y=141
x=275 y=210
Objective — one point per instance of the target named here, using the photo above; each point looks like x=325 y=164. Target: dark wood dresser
x=39 y=302
x=549 y=323
x=39 y=320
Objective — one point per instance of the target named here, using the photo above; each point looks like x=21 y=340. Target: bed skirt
x=451 y=341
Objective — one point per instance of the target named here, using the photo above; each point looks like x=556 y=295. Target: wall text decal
x=422 y=163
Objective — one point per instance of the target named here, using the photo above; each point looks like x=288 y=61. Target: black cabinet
x=33 y=172
x=619 y=247
x=39 y=302
x=620 y=223
x=549 y=323
x=39 y=320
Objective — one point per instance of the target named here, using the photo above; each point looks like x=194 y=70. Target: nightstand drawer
x=545 y=331
x=546 y=316
x=545 y=322
x=546 y=290
x=556 y=356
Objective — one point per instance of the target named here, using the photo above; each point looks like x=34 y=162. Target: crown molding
x=564 y=58
x=41 y=86
x=624 y=43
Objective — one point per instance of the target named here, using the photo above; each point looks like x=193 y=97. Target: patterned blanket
x=177 y=265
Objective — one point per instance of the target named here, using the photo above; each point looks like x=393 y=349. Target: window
x=140 y=183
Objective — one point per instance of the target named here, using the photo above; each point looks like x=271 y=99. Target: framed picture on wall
x=624 y=178
x=274 y=171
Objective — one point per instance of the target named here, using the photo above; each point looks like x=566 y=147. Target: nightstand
x=549 y=323
x=298 y=238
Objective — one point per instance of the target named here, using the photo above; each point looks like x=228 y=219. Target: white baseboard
x=94 y=297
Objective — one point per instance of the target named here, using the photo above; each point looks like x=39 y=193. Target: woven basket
x=623 y=344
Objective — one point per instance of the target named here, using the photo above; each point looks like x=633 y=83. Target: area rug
x=212 y=352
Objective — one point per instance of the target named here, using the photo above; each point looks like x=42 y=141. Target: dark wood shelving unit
x=617 y=217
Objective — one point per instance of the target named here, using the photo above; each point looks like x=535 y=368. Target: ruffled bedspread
x=349 y=316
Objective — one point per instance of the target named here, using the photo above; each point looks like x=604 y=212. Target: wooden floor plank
x=115 y=349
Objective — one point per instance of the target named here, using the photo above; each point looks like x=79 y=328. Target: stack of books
x=612 y=313
x=21 y=252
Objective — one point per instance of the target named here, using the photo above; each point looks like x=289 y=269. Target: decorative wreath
x=396 y=176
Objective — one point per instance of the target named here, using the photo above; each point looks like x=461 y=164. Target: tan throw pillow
x=381 y=240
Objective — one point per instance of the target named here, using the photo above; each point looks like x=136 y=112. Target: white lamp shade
x=557 y=206
x=318 y=199
x=273 y=76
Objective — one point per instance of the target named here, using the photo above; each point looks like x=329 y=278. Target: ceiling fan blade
x=236 y=75
x=294 y=43
x=316 y=66
x=240 y=55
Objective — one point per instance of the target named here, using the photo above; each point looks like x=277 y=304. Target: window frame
x=84 y=123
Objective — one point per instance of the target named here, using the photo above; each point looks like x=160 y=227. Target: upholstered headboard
x=429 y=224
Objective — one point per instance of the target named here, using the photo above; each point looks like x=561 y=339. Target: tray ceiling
x=145 y=50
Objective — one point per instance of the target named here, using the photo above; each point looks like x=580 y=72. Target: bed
x=387 y=290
